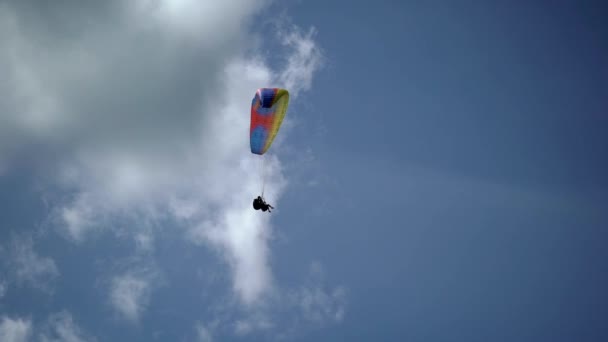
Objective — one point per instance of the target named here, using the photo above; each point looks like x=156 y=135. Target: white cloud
x=61 y=327
x=15 y=330
x=145 y=109
x=241 y=232
x=313 y=305
x=131 y=291
x=203 y=333
x=286 y=313
x=3 y=288
x=303 y=62
x=28 y=267
x=321 y=305
x=130 y=295
x=254 y=323
x=144 y=242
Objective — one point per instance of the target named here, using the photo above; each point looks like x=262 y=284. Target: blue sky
x=441 y=174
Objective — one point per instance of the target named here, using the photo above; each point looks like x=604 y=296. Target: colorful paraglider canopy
x=268 y=109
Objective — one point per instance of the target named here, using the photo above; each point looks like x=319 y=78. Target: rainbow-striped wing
x=268 y=109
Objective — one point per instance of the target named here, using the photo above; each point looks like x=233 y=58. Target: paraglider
x=268 y=108
x=259 y=203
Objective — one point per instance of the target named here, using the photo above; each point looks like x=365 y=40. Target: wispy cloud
x=130 y=295
x=3 y=288
x=203 y=333
x=320 y=304
x=284 y=314
x=15 y=330
x=29 y=268
x=61 y=327
x=304 y=61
